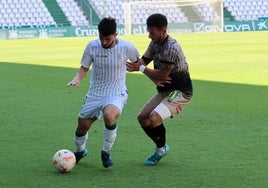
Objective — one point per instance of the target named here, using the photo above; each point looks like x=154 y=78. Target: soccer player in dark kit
x=171 y=76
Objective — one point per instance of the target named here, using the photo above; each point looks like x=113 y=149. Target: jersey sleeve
x=133 y=53
x=86 y=58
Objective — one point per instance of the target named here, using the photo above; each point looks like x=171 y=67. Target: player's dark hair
x=157 y=20
x=107 y=26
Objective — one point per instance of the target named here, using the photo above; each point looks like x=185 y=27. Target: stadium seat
x=244 y=10
x=16 y=11
x=72 y=11
x=3 y=11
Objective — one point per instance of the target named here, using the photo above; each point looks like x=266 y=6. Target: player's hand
x=133 y=66
x=161 y=83
x=73 y=83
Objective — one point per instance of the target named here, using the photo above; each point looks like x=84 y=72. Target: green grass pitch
x=220 y=140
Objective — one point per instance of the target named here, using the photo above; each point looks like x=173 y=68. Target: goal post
x=183 y=16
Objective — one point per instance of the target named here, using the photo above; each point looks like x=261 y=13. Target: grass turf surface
x=220 y=140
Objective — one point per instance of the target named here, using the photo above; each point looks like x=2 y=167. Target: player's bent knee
x=110 y=119
x=141 y=118
x=81 y=130
x=83 y=125
x=155 y=118
x=143 y=121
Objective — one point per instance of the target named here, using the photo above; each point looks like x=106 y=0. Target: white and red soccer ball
x=64 y=160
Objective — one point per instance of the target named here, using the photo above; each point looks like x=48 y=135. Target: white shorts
x=93 y=107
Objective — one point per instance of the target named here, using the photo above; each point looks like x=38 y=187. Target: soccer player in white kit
x=107 y=93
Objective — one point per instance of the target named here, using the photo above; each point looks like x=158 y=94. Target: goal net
x=183 y=16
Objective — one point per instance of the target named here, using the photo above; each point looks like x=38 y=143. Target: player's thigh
x=150 y=105
x=110 y=114
x=114 y=102
x=112 y=108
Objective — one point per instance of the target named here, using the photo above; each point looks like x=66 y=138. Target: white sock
x=80 y=142
x=109 y=137
x=161 y=150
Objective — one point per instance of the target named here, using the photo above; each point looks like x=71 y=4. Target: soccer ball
x=64 y=160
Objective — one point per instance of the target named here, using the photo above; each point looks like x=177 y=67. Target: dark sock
x=157 y=134
x=148 y=131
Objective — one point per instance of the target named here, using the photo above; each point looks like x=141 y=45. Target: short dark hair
x=107 y=26
x=157 y=20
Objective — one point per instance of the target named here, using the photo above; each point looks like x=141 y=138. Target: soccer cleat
x=106 y=159
x=80 y=154
x=156 y=157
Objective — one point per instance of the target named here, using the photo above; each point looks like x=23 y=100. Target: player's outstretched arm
x=157 y=76
x=81 y=73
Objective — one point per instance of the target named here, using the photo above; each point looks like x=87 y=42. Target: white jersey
x=108 y=76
